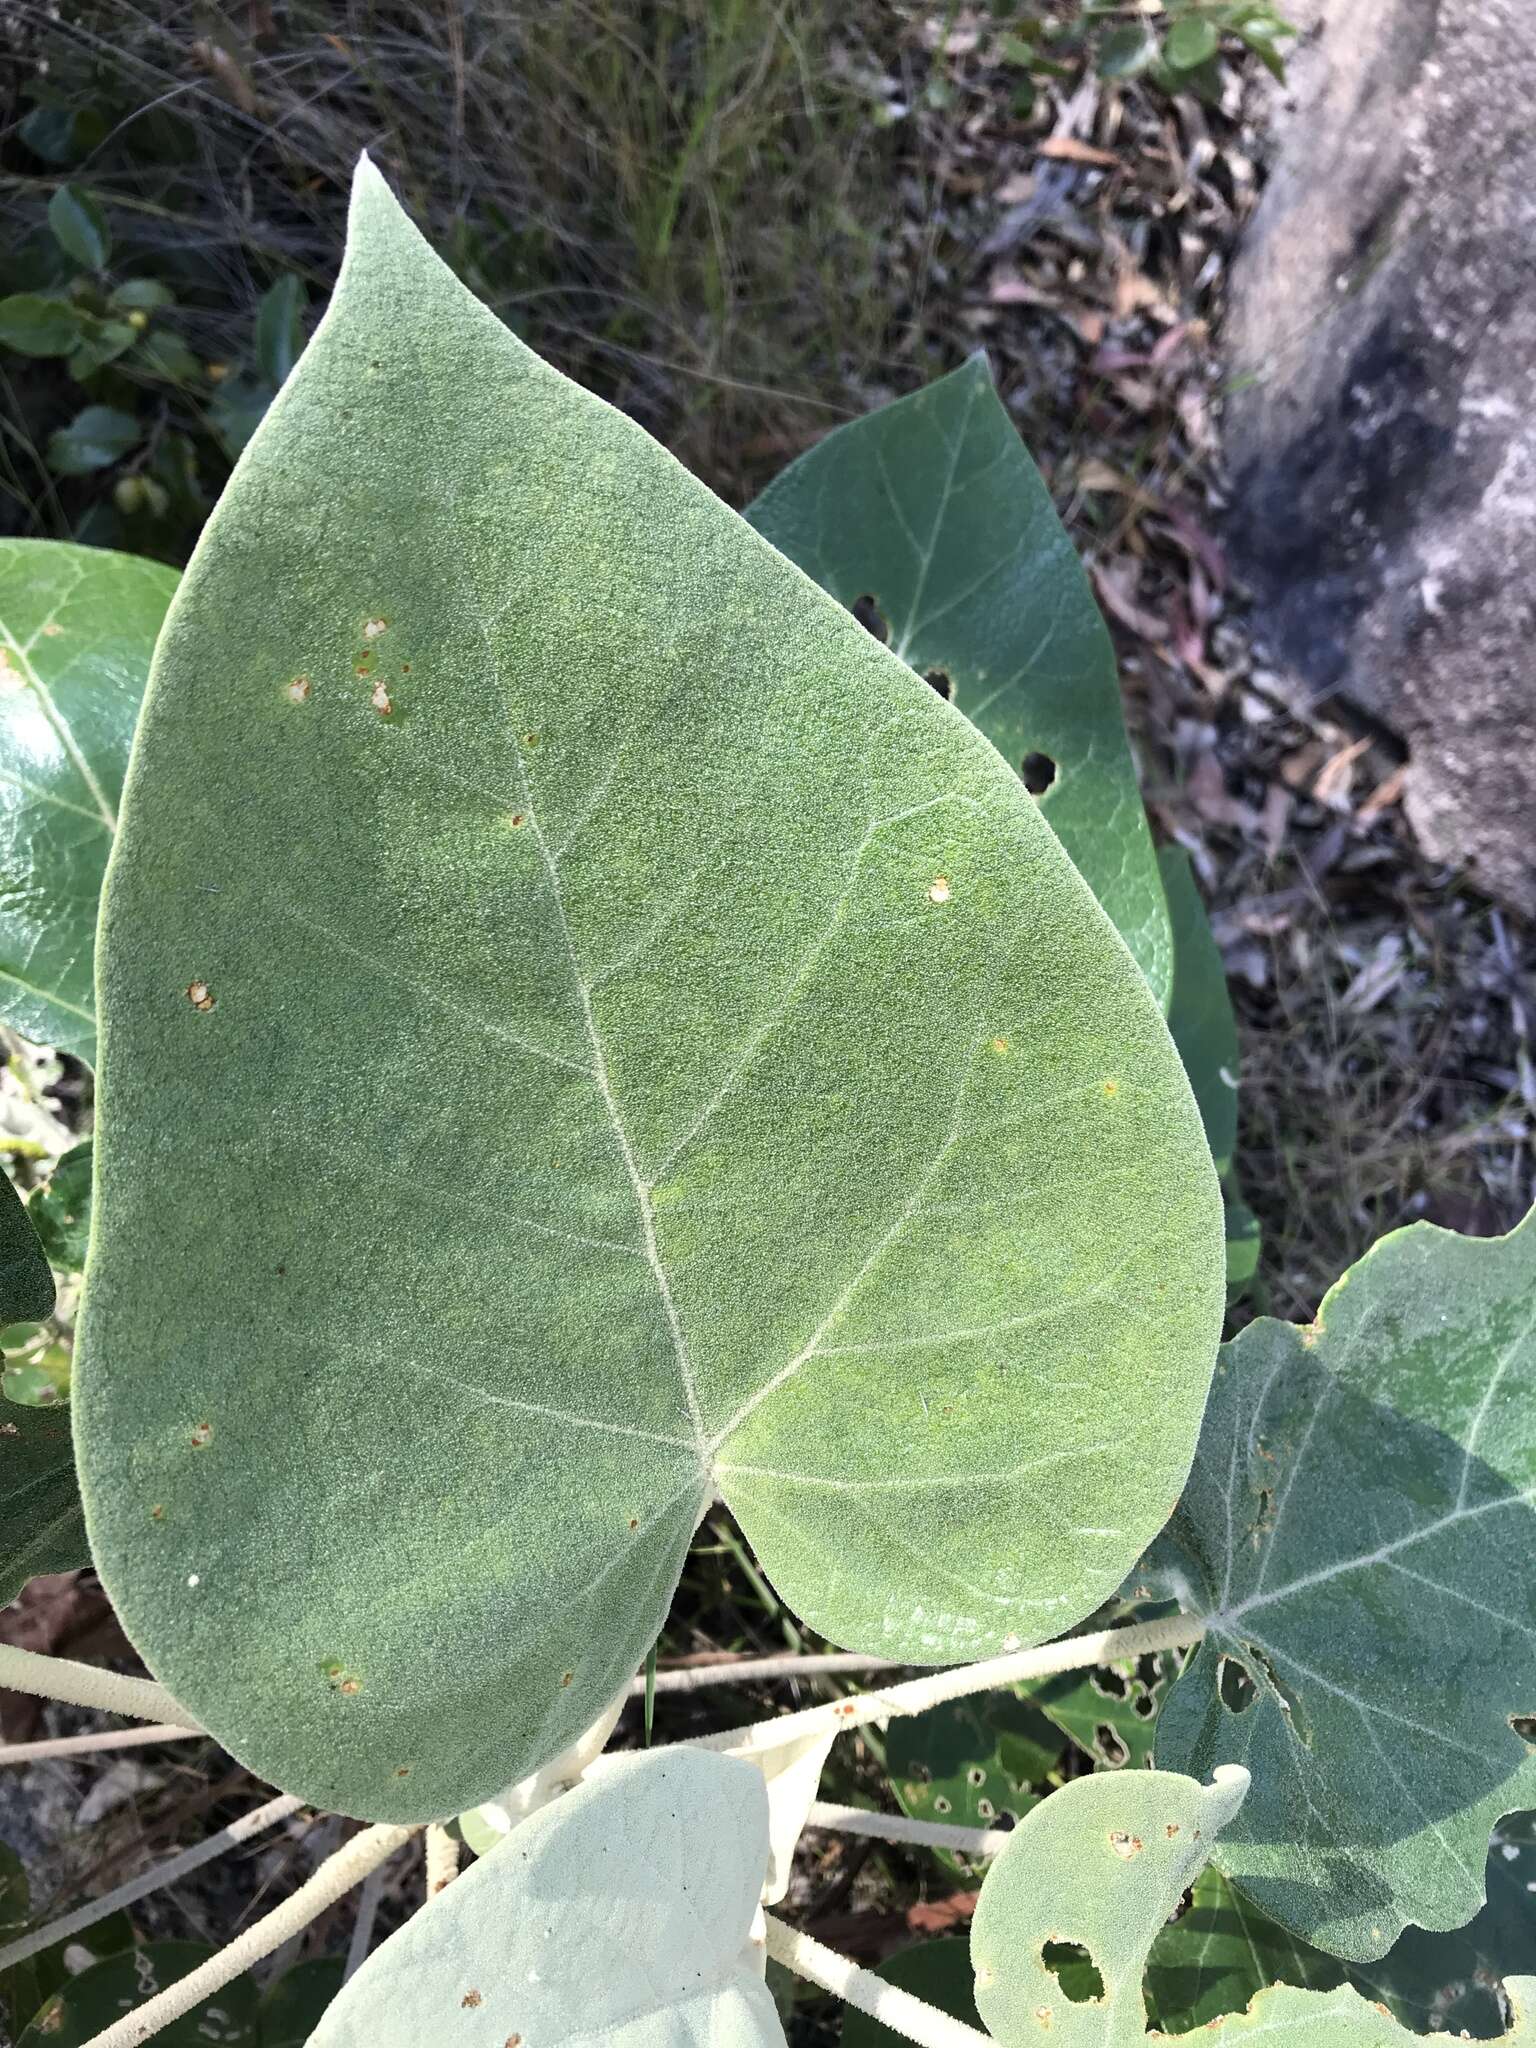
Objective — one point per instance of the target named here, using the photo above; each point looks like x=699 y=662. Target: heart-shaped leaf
x=579 y=1017
x=1071 y=1942
x=77 y=628
x=930 y=519
x=1358 y=1531
x=622 y=1912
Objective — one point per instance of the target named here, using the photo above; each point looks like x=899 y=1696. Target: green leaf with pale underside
x=585 y=1030
x=932 y=509
x=622 y=1913
x=1103 y=1865
x=1358 y=1531
x=77 y=628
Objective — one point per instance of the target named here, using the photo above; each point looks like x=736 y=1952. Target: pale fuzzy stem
x=82 y=1685
x=84 y=1745
x=154 y=1880
x=916 y=1695
x=895 y=1827
x=753 y=1670
x=897 y=2009
x=332 y=1881
x=362 y=1927
x=442 y=1859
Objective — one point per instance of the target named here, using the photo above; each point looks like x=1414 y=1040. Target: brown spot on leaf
x=200 y=995
x=1124 y=1844
x=1043 y=2015
x=1171 y=1830
x=634 y=1521
x=298 y=690
x=157 y=1512
x=939 y=890
x=350 y=1686
x=565 y=1678
x=372 y=628
x=380 y=699
x=202 y=1435
x=470 y=2000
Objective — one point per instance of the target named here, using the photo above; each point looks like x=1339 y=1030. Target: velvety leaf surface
x=938 y=1971
x=26 y=1285
x=1100 y=1864
x=932 y=509
x=508 y=1137
x=77 y=628
x=41 y=1526
x=622 y=1912
x=86 y=2005
x=1359 y=1532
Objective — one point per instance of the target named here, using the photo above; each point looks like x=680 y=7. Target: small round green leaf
x=587 y=1030
x=80 y=227
x=36 y=325
x=1191 y=42
x=94 y=439
x=77 y=627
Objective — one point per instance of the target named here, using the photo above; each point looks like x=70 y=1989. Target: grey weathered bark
x=1381 y=430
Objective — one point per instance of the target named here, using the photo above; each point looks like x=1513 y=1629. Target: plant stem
x=754 y=1670
x=897 y=2009
x=442 y=1859
x=332 y=1881
x=895 y=1827
x=955 y=1682
x=82 y=1685
x=83 y=1745
x=148 y=1881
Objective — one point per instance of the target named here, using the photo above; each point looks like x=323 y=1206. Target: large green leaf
x=971 y=1762
x=623 y=1913
x=1223 y=1949
x=86 y=2005
x=1098 y=1869
x=579 y=1018
x=77 y=627
x=937 y=1971
x=26 y=1285
x=41 y=1527
x=1358 y=1531
x=932 y=510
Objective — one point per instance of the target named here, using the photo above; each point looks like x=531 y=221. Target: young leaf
x=932 y=509
x=1192 y=42
x=41 y=1526
x=26 y=1285
x=1359 y=1530
x=623 y=1913
x=61 y=1211
x=1101 y=1865
x=80 y=227
x=94 y=439
x=579 y=1016
x=86 y=2005
x=77 y=627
